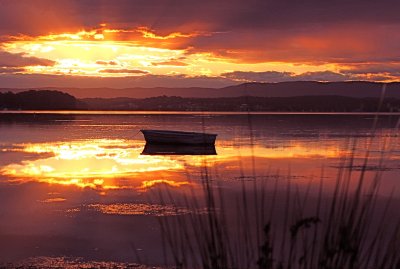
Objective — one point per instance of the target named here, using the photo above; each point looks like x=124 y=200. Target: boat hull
x=178 y=138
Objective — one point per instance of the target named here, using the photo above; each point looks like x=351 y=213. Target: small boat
x=165 y=149
x=178 y=137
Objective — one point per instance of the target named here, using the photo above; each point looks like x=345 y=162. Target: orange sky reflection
x=107 y=164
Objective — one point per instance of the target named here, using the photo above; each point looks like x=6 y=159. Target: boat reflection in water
x=178 y=149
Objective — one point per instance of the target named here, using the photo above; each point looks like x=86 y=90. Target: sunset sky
x=145 y=43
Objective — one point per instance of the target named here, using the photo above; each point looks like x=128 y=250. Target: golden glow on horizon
x=143 y=51
x=78 y=36
x=106 y=164
x=80 y=53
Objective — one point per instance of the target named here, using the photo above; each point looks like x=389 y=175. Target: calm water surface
x=76 y=185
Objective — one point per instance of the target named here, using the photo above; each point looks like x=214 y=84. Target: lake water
x=76 y=186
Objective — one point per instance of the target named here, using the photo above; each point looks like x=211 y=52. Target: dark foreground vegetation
x=349 y=227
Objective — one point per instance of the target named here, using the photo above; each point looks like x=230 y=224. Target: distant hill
x=358 y=89
x=56 y=100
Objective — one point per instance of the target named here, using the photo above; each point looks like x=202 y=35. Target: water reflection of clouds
x=93 y=190
x=109 y=163
x=84 y=163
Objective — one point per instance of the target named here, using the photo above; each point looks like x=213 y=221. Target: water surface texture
x=77 y=185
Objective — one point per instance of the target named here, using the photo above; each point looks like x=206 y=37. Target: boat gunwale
x=165 y=132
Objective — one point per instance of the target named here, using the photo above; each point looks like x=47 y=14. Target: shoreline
x=177 y=112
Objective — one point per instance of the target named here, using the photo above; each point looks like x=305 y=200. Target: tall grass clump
x=263 y=226
x=272 y=222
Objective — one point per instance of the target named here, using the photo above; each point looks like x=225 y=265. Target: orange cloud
x=101 y=33
x=312 y=52
x=124 y=71
x=170 y=63
x=148 y=33
x=100 y=62
x=138 y=36
x=80 y=35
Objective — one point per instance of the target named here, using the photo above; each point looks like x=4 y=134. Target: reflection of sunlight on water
x=102 y=163
x=133 y=209
x=71 y=263
x=87 y=163
x=54 y=200
x=150 y=183
x=298 y=150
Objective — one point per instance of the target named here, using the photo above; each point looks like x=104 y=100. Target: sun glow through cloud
x=141 y=49
x=197 y=44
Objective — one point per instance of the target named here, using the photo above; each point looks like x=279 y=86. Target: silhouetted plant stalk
x=335 y=232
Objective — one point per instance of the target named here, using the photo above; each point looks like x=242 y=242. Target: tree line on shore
x=37 y=100
x=56 y=100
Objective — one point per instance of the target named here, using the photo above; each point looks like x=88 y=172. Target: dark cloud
x=22 y=59
x=22 y=15
x=313 y=44
x=124 y=71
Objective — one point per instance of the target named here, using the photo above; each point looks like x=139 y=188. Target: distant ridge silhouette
x=358 y=89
